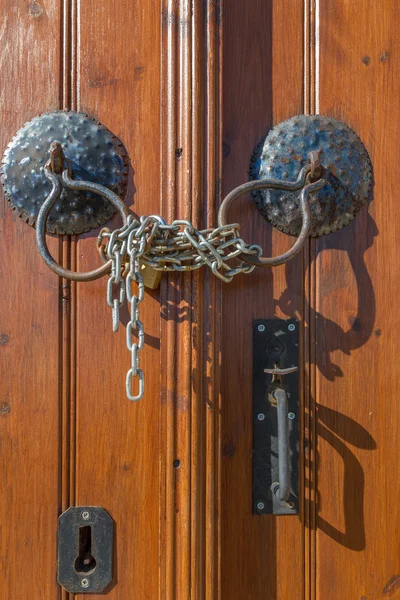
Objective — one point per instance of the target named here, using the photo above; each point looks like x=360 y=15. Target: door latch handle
x=276 y=406
x=282 y=488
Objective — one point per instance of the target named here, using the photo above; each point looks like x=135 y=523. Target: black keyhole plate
x=85 y=549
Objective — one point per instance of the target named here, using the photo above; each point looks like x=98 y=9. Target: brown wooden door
x=190 y=88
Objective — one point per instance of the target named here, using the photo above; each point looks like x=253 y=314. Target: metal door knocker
x=310 y=176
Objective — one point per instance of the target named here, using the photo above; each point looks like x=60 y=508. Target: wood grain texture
x=358 y=283
x=30 y=493
x=189 y=303
x=262 y=557
x=189 y=90
x=117 y=441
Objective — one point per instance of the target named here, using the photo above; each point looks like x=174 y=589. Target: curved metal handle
x=51 y=168
x=276 y=184
x=282 y=488
x=278 y=371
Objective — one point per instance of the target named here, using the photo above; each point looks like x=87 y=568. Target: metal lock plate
x=96 y=155
x=275 y=343
x=85 y=549
x=345 y=164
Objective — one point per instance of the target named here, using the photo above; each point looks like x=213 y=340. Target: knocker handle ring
x=53 y=169
x=276 y=184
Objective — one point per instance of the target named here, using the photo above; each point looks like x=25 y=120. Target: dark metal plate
x=275 y=343
x=346 y=165
x=95 y=154
x=85 y=558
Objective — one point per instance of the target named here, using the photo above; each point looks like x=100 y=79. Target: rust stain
x=98 y=83
x=4 y=339
x=228 y=450
x=5 y=409
x=391 y=587
x=35 y=10
x=139 y=71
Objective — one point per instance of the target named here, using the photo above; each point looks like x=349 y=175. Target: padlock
x=151 y=277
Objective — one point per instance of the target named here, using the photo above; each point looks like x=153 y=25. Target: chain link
x=176 y=247
x=180 y=246
x=135 y=324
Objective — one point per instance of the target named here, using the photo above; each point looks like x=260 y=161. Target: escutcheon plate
x=96 y=155
x=275 y=344
x=346 y=166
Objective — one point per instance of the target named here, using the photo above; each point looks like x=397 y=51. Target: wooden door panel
x=30 y=297
x=117 y=441
x=263 y=84
x=356 y=324
x=190 y=88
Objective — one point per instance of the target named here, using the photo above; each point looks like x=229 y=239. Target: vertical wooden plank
x=308 y=506
x=29 y=324
x=262 y=557
x=190 y=415
x=117 y=441
x=68 y=249
x=212 y=302
x=357 y=333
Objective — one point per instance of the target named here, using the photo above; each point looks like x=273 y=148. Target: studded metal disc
x=346 y=166
x=95 y=154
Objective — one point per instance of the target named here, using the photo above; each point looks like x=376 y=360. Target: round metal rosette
x=345 y=166
x=95 y=155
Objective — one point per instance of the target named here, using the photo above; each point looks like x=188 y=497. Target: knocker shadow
x=338 y=430
x=333 y=427
x=355 y=240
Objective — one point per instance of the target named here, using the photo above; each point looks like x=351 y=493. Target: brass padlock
x=151 y=277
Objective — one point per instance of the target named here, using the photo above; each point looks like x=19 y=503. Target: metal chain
x=180 y=246
x=135 y=324
x=176 y=247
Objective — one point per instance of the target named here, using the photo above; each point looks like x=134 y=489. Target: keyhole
x=85 y=562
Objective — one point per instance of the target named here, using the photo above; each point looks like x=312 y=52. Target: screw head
x=261 y=416
x=85 y=583
x=260 y=505
x=85 y=515
x=261 y=328
x=291 y=415
x=291 y=327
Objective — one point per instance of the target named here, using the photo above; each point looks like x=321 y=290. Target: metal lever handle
x=277 y=371
x=277 y=184
x=54 y=166
x=282 y=488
